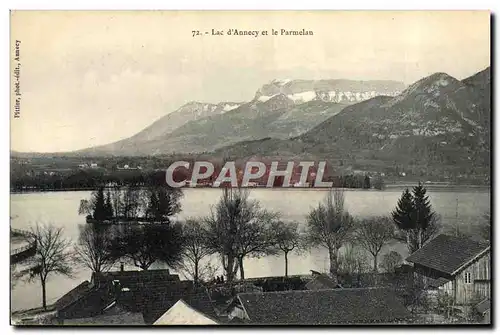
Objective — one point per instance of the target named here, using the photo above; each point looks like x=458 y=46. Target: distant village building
x=128 y=167
x=458 y=266
x=93 y=165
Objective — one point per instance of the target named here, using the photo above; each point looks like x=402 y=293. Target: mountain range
x=280 y=109
x=438 y=123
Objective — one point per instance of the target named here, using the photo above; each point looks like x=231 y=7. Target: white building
x=182 y=313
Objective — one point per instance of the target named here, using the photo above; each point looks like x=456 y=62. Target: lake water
x=61 y=209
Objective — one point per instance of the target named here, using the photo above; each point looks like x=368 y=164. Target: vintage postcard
x=250 y=168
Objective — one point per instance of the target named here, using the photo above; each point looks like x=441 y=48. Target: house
x=458 y=266
x=89 y=298
x=184 y=313
x=322 y=307
x=128 y=167
x=150 y=292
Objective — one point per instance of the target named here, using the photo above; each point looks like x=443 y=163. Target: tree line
x=93 y=178
x=85 y=179
x=236 y=228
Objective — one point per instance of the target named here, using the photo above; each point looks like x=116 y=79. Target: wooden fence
x=28 y=250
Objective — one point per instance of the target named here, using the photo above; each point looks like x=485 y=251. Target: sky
x=92 y=78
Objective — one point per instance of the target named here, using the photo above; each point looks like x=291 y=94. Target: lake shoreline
x=447 y=187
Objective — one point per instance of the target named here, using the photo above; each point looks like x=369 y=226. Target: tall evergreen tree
x=163 y=203
x=99 y=205
x=403 y=215
x=152 y=205
x=414 y=216
x=108 y=206
x=367 y=183
x=423 y=212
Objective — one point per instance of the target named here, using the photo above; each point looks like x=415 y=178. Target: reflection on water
x=61 y=209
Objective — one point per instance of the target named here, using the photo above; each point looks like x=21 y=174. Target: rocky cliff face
x=338 y=91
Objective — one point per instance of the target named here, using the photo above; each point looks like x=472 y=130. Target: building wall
x=480 y=276
x=430 y=273
x=183 y=314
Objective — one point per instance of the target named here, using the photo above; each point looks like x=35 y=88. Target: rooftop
x=183 y=313
x=136 y=279
x=324 y=307
x=115 y=315
x=447 y=253
x=156 y=303
x=73 y=295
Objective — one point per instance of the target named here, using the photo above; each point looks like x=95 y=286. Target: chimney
x=116 y=289
x=121 y=267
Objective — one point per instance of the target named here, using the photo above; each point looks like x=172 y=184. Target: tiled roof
x=136 y=279
x=447 y=253
x=338 y=306
x=116 y=316
x=142 y=289
x=73 y=295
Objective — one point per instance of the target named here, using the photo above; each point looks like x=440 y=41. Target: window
x=468 y=278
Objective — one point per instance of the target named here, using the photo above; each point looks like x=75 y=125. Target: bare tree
x=94 y=246
x=391 y=260
x=238 y=227
x=195 y=248
x=116 y=201
x=372 y=234
x=52 y=256
x=485 y=226
x=353 y=261
x=330 y=225
x=255 y=237
x=432 y=230
x=131 y=202
x=85 y=208
x=288 y=238
x=144 y=244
